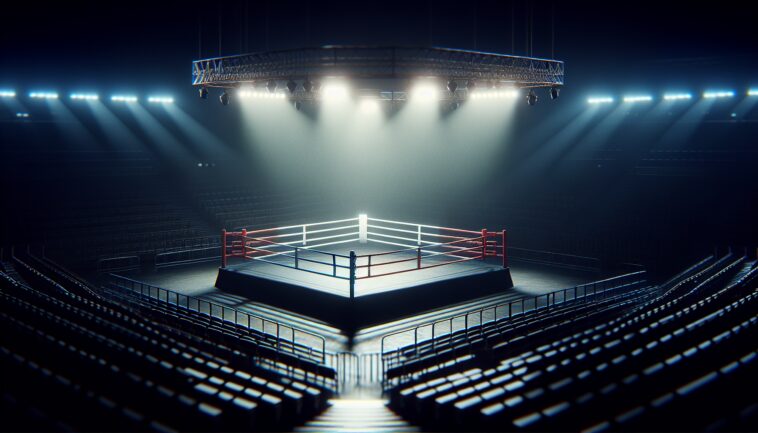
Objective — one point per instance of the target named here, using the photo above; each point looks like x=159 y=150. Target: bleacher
x=74 y=358
x=647 y=358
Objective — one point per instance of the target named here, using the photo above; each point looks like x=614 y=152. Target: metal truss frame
x=377 y=63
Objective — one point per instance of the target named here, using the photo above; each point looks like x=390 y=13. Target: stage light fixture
x=22 y=115
x=677 y=96
x=335 y=91
x=271 y=86
x=554 y=92
x=224 y=98
x=752 y=92
x=43 y=95
x=123 y=98
x=7 y=93
x=637 y=98
x=531 y=98
x=426 y=91
x=160 y=100
x=452 y=86
x=84 y=96
x=600 y=100
x=203 y=93
x=307 y=85
x=716 y=94
x=291 y=86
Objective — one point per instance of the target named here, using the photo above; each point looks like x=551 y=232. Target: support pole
x=505 y=251
x=244 y=243
x=223 y=248
x=352 y=274
x=484 y=243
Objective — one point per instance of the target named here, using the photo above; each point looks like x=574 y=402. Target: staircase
x=357 y=416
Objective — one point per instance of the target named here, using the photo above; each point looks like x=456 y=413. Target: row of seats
x=417 y=357
x=654 y=364
x=82 y=362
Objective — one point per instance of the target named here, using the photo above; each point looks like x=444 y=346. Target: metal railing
x=504 y=311
x=275 y=334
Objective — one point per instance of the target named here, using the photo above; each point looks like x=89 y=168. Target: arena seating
x=72 y=359
x=646 y=360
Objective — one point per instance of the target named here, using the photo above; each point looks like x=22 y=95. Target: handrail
x=211 y=305
x=509 y=305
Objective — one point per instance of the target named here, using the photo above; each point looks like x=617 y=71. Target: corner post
x=484 y=243
x=244 y=243
x=505 y=251
x=352 y=274
x=223 y=248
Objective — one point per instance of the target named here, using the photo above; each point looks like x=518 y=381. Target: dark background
x=627 y=198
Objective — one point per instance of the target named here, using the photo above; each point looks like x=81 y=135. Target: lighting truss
x=377 y=63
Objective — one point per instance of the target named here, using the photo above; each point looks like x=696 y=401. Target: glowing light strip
x=123 y=98
x=638 y=98
x=43 y=95
x=7 y=94
x=22 y=115
x=85 y=96
x=752 y=92
x=718 y=94
x=160 y=100
x=600 y=100
x=677 y=96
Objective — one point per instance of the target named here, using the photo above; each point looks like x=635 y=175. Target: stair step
x=367 y=415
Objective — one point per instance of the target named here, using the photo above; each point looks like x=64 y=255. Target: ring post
x=505 y=251
x=352 y=274
x=223 y=248
x=244 y=243
x=484 y=243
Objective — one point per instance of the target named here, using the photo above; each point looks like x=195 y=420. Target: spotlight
x=752 y=92
x=224 y=98
x=291 y=86
x=160 y=100
x=335 y=91
x=7 y=94
x=718 y=94
x=84 y=96
x=271 y=86
x=203 y=93
x=22 y=115
x=554 y=92
x=531 y=98
x=298 y=105
x=307 y=85
x=425 y=91
x=123 y=98
x=43 y=95
x=637 y=98
x=600 y=100
x=452 y=86
x=676 y=96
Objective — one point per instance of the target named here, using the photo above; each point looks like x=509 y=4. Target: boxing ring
x=362 y=264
